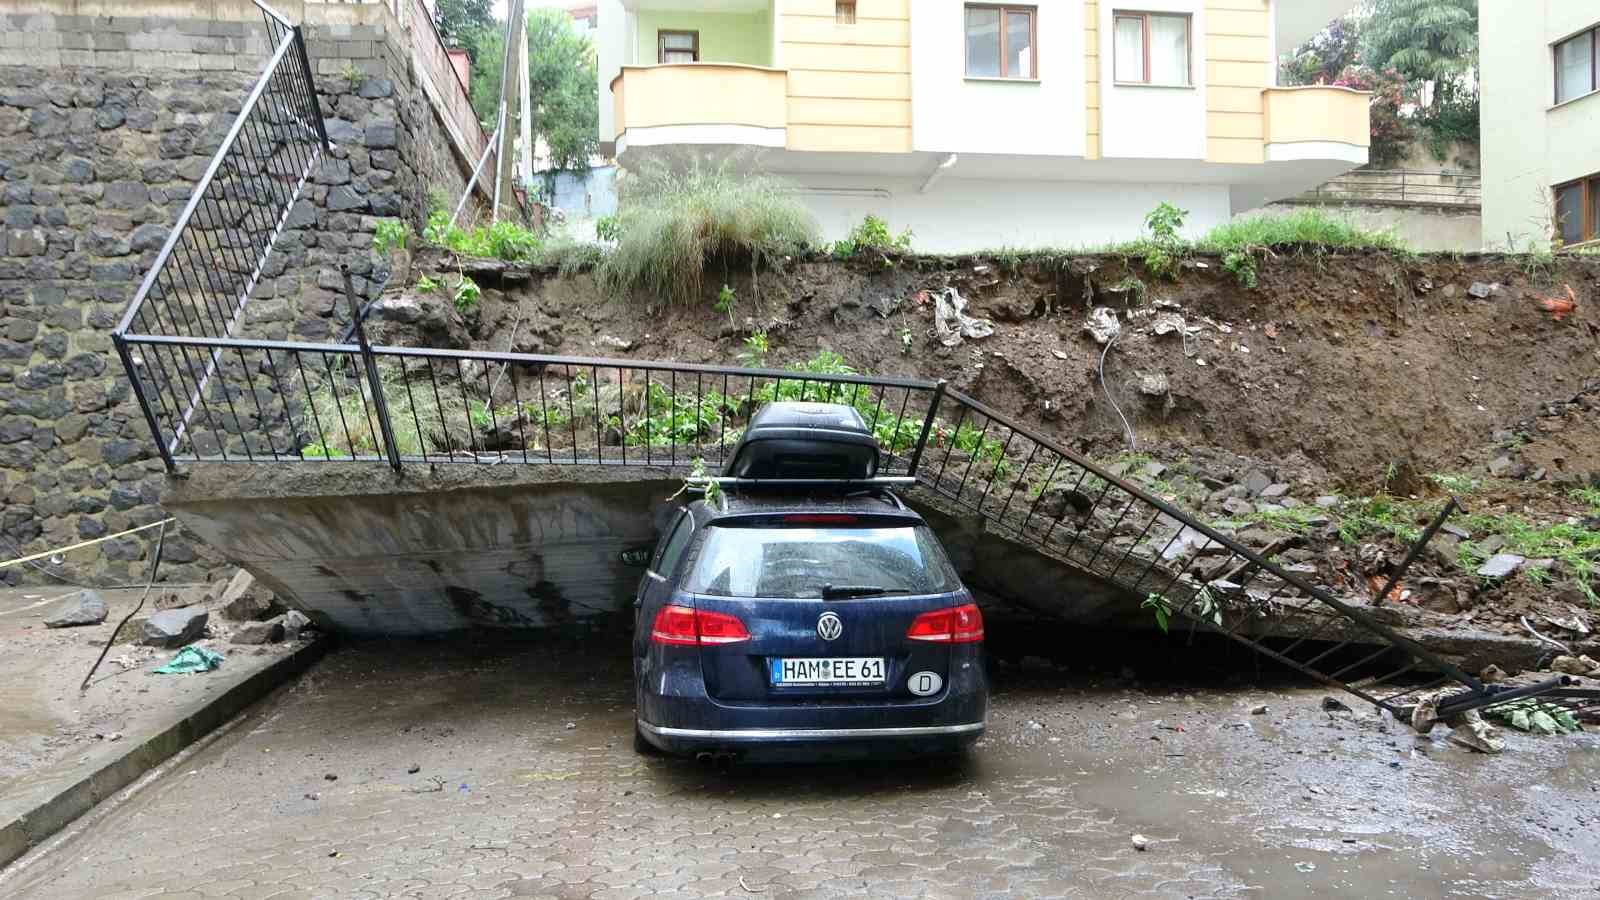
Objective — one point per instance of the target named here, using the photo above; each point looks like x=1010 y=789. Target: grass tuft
x=1303 y=227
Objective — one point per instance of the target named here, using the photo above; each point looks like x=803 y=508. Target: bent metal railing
x=221 y=246
x=209 y=395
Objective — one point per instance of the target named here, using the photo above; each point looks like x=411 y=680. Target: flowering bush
x=1391 y=132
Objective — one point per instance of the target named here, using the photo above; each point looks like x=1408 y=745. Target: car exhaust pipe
x=704 y=758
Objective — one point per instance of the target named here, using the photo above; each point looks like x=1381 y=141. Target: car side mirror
x=636 y=557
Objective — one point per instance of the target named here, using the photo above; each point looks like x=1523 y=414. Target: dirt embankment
x=1336 y=380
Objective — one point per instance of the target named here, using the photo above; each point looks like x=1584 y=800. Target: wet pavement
x=492 y=769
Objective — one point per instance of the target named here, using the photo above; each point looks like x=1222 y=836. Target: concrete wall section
x=962 y=214
x=951 y=112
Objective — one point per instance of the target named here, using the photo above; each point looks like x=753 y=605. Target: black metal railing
x=220 y=247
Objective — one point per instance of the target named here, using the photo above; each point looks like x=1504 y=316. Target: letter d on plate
x=924 y=684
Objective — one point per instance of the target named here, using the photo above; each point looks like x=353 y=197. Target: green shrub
x=673 y=222
x=427 y=284
x=725 y=298
x=466 y=294
x=1303 y=227
x=754 y=355
x=390 y=234
x=607 y=228
x=503 y=240
x=872 y=233
x=1243 y=266
x=1165 y=248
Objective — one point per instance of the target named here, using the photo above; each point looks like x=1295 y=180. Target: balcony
x=699 y=104
x=1316 y=122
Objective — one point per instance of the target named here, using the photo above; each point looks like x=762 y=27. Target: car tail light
x=955 y=625
x=682 y=626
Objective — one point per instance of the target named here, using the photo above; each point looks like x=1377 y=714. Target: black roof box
x=787 y=439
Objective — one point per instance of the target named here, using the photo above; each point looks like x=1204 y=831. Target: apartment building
x=1540 y=121
x=982 y=125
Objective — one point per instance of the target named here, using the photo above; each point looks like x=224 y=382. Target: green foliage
x=1589 y=496
x=466 y=294
x=725 y=299
x=1573 y=546
x=458 y=19
x=1390 y=129
x=503 y=240
x=1324 y=55
x=905 y=340
x=1421 y=39
x=1535 y=716
x=872 y=234
x=353 y=75
x=571 y=257
x=1304 y=227
x=390 y=234
x=607 y=228
x=1243 y=266
x=427 y=284
x=563 y=80
x=754 y=355
x=1161 y=606
x=1134 y=286
x=1165 y=248
x=673 y=222
x=1380 y=514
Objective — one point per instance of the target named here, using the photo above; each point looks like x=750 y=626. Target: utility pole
x=516 y=42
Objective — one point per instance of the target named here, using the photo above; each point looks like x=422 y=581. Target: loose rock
x=175 y=627
x=1500 y=565
x=86 y=607
x=243 y=600
x=258 y=633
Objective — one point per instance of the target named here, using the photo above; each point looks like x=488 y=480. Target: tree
x=563 y=79
x=1325 y=54
x=458 y=19
x=1423 y=40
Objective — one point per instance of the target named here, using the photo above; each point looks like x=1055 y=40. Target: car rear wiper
x=844 y=591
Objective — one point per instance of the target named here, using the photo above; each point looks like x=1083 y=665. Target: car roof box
x=792 y=440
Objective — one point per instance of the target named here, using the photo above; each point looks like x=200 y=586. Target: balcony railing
x=1401 y=186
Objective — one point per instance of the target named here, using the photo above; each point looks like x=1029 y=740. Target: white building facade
x=985 y=125
x=1540 y=121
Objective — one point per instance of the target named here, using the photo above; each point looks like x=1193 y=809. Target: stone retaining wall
x=106 y=123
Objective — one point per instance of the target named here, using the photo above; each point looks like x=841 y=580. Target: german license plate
x=851 y=670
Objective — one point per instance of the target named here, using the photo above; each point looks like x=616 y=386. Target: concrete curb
x=33 y=827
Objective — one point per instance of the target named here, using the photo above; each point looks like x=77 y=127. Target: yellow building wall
x=1091 y=78
x=1238 y=50
x=849 y=85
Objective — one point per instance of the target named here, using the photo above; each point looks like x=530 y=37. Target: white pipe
x=937 y=173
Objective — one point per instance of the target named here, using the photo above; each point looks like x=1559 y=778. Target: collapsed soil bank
x=1337 y=378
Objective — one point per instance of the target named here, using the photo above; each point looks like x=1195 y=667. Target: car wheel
x=642 y=746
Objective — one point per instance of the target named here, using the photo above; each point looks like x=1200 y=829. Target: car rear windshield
x=796 y=562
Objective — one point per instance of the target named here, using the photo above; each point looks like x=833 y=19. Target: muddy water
x=525 y=784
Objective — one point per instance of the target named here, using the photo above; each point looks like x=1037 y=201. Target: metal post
x=385 y=427
x=927 y=425
x=478 y=170
x=144 y=402
x=1416 y=549
x=311 y=87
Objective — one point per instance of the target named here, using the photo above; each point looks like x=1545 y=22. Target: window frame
x=1033 y=40
x=1588 y=203
x=845 y=12
x=1593 y=31
x=1143 y=15
x=685 y=519
x=661 y=44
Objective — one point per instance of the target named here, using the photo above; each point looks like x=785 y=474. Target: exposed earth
x=504 y=769
x=1323 y=416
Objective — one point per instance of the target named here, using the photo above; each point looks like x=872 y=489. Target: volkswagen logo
x=829 y=627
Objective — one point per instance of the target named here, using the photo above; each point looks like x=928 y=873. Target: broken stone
x=294 y=621
x=1492 y=674
x=1153 y=470
x=1500 y=565
x=1476 y=734
x=1234 y=506
x=1103 y=325
x=1256 y=482
x=612 y=342
x=1187 y=540
x=258 y=633
x=1501 y=466
x=83 y=608
x=1141 y=843
x=1574 y=665
x=245 y=601
x=1481 y=289
x=1326 y=501
x=1445 y=549
x=1166 y=323
x=1491 y=544
x=175 y=627
x=1154 y=385
x=1273 y=491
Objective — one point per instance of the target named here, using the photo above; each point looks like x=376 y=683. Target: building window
x=1578 y=210
x=1151 y=48
x=1002 y=42
x=844 y=12
x=677 y=46
x=1578 y=65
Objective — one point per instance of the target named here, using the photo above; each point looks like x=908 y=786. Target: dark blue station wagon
x=803 y=611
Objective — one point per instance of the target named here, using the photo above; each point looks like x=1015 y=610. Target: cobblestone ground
x=464 y=769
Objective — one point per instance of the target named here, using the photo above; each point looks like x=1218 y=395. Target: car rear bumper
x=741 y=735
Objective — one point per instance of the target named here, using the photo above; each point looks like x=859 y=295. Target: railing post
x=927 y=425
x=379 y=402
x=1416 y=549
x=311 y=87
x=144 y=402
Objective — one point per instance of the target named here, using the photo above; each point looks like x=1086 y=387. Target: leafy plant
x=1589 y=496
x=390 y=234
x=427 y=284
x=607 y=228
x=503 y=240
x=872 y=233
x=754 y=355
x=674 y=222
x=1535 y=716
x=1165 y=248
x=1455 y=484
x=1161 y=607
x=466 y=294
x=353 y=74
x=1133 y=285
x=1243 y=266
x=1301 y=228
x=725 y=298
x=905 y=340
